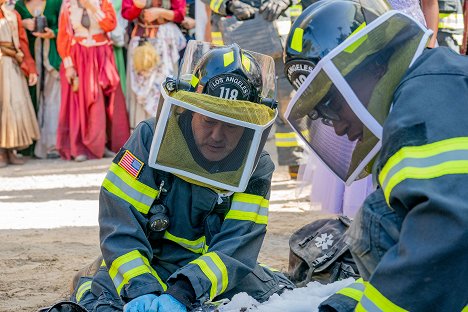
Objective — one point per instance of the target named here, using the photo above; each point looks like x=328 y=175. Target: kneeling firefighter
x=367 y=85
x=184 y=205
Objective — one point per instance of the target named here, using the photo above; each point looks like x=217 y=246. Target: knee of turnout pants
x=374 y=231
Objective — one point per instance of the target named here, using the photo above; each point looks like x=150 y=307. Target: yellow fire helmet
x=214 y=118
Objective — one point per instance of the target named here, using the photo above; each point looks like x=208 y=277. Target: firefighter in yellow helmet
x=184 y=205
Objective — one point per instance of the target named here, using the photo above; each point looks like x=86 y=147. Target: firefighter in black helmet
x=409 y=238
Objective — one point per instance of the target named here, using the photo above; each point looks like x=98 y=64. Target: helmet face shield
x=214 y=141
x=341 y=107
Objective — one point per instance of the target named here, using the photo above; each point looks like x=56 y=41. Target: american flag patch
x=131 y=164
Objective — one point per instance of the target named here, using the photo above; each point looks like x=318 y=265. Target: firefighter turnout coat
x=212 y=241
x=422 y=171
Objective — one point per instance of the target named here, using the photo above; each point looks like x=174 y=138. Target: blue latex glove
x=145 y=303
x=167 y=303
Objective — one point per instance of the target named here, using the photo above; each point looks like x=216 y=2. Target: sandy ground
x=48 y=227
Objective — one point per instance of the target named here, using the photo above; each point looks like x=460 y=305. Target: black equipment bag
x=318 y=252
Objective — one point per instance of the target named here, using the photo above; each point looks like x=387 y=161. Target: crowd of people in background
x=77 y=76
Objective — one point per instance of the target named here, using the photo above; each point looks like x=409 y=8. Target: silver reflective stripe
x=245 y=207
x=357 y=286
x=368 y=305
x=425 y=162
x=219 y=276
x=128 y=190
x=124 y=268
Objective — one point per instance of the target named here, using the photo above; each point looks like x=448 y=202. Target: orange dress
x=94 y=116
x=18 y=124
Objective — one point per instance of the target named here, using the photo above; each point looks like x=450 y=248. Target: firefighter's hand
x=272 y=9
x=242 y=11
x=145 y=303
x=32 y=79
x=167 y=303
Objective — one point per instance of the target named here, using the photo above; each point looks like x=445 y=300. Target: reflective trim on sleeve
x=288 y=139
x=295 y=10
x=465 y=309
x=451 y=21
x=131 y=265
x=196 y=246
x=216 y=272
x=124 y=186
x=248 y=207
x=86 y=286
x=425 y=162
x=374 y=301
x=353 y=291
x=215 y=5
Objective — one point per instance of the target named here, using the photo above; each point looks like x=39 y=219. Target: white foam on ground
x=305 y=299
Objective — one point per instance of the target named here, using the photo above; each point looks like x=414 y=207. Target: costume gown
x=18 y=124
x=44 y=52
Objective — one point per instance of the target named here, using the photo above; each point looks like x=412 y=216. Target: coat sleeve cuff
x=183 y=291
x=338 y=303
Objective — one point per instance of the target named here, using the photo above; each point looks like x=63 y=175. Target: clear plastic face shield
x=208 y=140
x=340 y=108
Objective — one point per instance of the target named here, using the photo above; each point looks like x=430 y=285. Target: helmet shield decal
x=340 y=109
x=208 y=140
x=255 y=68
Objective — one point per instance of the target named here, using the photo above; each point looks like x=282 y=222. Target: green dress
x=47 y=112
x=51 y=12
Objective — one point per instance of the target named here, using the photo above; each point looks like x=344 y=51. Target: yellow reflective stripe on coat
x=248 y=207
x=131 y=265
x=451 y=21
x=228 y=58
x=374 y=301
x=215 y=270
x=288 y=139
x=124 y=186
x=425 y=162
x=295 y=10
x=215 y=5
x=197 y=246
x=86 y=286
x=353 y=291
x=465 y=309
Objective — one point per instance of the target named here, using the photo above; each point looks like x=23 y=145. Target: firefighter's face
x=215 y=139
x=346 y=123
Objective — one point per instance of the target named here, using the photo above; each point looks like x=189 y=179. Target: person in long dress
x=18 y=124
x=43 y=47
x=154 y=21
x=93 y=119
